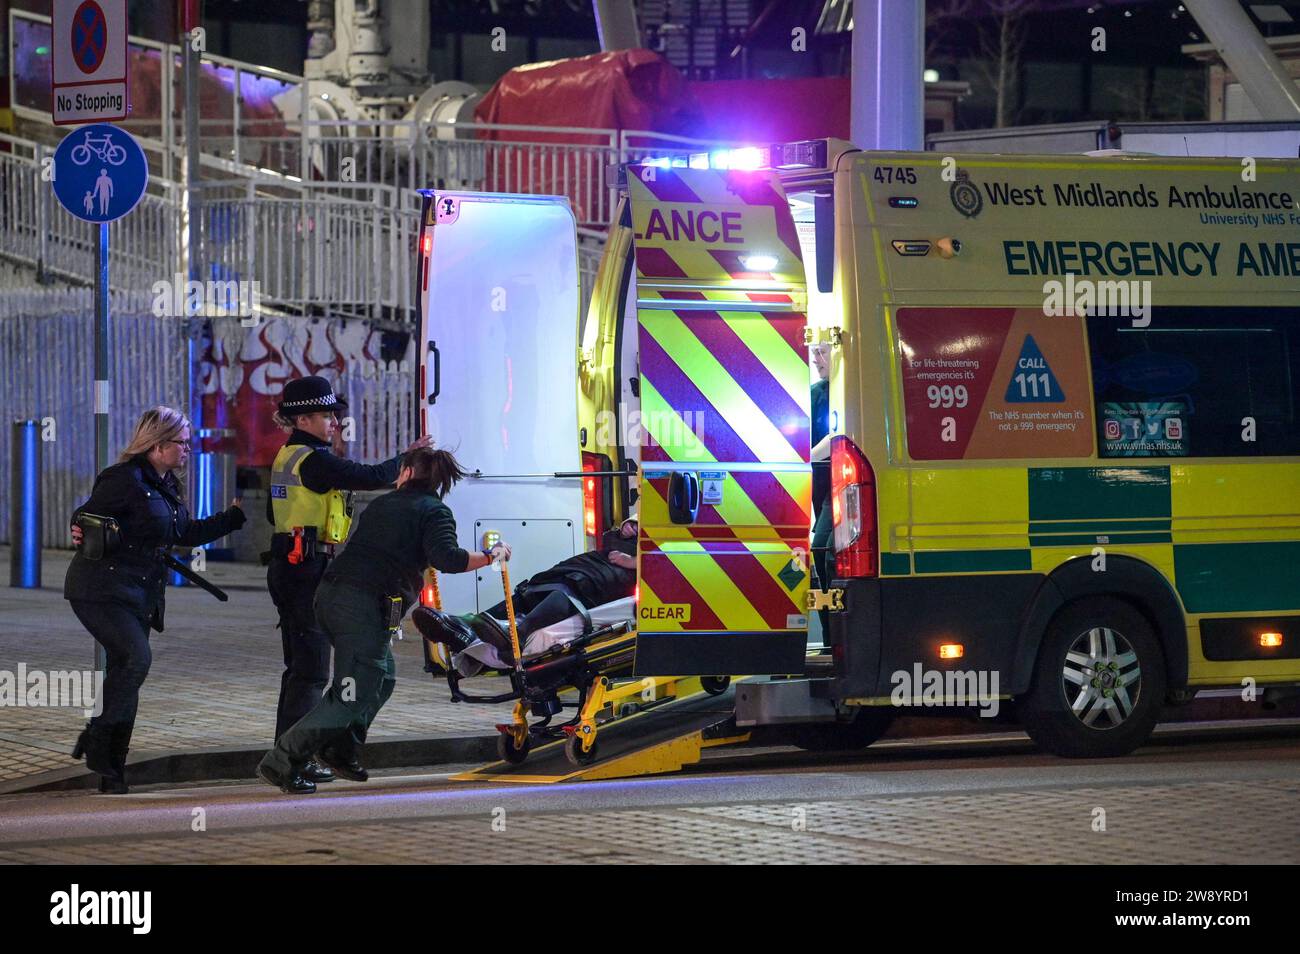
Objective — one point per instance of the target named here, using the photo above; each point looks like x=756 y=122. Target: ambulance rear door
x=498 y=324
x=724 y=388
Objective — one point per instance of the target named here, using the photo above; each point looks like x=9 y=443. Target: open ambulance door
x=726 y=483
x=498 y=325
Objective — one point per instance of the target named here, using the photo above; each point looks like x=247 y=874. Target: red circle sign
x=89 y=36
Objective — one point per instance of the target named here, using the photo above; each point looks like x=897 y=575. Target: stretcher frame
x=591 y=665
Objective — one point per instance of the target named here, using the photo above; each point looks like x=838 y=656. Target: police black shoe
x=297 y=785
x=313 y=771
x=349 y=768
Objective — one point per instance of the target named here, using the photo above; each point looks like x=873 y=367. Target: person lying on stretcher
x=572 y=586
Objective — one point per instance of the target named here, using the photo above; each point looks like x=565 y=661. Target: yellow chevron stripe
x=782 y=362
x=718 y=387
x=726 y=599
x=662 y=421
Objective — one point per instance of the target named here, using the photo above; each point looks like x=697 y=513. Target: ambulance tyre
x=715 y=685
x=510 y=751
x=573 y=751
x=1099 y=682
x=867 y=725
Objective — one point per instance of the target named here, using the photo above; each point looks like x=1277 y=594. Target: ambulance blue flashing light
x=795 y=155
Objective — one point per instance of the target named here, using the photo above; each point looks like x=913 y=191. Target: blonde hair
x=157 y=425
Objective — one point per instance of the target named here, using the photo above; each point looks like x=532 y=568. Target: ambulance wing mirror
x=683 y=496
x=824 y=232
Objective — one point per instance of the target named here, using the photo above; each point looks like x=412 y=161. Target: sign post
x=100 y=174
x=89 y=62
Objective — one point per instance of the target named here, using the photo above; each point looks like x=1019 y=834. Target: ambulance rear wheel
x=868 y=724
x=573 y=751
x=1099 y=682
x=511 y=751
x=715 y=685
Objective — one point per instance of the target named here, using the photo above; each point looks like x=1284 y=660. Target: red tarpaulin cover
x=622 y=89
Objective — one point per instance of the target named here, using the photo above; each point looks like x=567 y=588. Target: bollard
x=25 y=507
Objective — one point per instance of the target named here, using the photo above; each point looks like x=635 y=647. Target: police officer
x=310 y=508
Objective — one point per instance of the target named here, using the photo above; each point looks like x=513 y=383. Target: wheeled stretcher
x=591 y=653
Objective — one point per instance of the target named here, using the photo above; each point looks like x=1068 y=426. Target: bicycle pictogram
x=104 y=148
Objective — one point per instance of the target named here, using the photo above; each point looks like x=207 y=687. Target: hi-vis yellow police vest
x=293 y=505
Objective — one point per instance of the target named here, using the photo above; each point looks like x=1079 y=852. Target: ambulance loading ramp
x=661 y=739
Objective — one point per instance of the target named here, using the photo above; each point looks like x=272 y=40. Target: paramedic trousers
x=821 y=547
x=364 y=676
x=306 y=647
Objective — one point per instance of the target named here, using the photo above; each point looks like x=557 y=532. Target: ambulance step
x=662 y=739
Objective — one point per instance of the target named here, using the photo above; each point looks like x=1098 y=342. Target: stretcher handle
x=431 y=581
x=510 y=616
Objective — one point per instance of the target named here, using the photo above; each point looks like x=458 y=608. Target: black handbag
x=100 y=536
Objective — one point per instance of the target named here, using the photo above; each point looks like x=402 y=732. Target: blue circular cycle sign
x=100 y=172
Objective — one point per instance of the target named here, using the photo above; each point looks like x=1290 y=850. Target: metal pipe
x=1262 y=76
x=616 y=25
x=25 y=507
x=887 y=98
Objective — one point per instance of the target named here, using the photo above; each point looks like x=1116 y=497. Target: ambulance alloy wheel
x=573 y=751
x=867 y=725
x=715 y=685
x=1099 y=682
x=510 y=751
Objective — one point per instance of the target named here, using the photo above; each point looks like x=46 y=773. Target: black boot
x=114 y=783
x=79 y=749
x=96 y=743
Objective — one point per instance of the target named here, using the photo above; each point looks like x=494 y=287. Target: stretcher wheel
x=510 y=751
x=715 y=685
x=573 y=751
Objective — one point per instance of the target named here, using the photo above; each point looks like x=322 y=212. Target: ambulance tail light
x=595 y=496
x=853 y=510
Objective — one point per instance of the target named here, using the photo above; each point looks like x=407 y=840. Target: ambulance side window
x=1198 y=382
x=824 y=221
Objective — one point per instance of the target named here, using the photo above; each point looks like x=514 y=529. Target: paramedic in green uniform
x=310 y=509
x=363 y=596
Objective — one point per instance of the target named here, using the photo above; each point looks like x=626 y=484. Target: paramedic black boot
x=297 y=785
x=348 y=767
x=313 y=771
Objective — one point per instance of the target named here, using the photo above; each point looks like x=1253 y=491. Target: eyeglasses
x=188 y=445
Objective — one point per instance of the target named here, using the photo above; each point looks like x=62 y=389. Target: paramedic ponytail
x=435 y=471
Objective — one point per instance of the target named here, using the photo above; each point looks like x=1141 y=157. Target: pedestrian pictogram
x=89 y=36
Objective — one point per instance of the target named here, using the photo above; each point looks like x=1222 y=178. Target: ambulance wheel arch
x=1133 y=581
x=1099 y=683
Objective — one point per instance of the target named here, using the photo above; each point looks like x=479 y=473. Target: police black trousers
x=364 y=677
x=306 y=646
x=125 y=638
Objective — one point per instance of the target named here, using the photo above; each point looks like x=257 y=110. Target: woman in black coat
x=120 y=596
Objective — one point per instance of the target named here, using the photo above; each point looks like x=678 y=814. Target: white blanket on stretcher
x=479 y=655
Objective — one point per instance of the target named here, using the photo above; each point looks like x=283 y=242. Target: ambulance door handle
x=683 y=496
x=437 y=373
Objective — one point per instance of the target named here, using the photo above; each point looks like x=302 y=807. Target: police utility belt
x=299 y=545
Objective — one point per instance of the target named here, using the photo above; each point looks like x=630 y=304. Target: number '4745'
x=888 y=174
